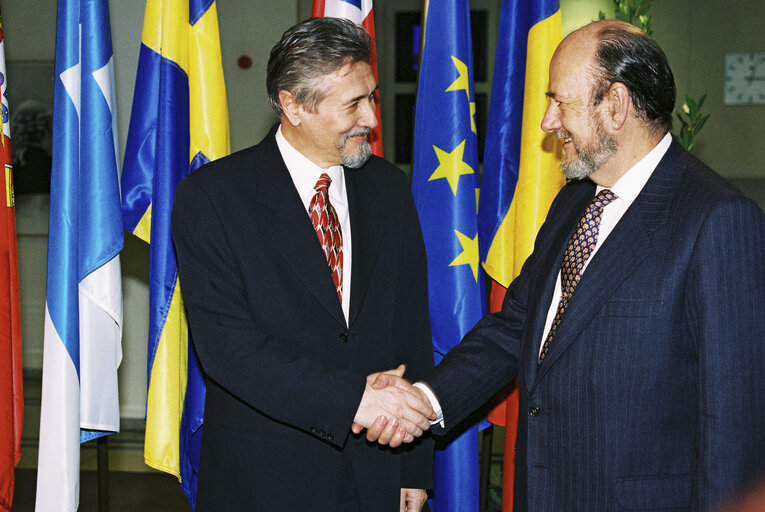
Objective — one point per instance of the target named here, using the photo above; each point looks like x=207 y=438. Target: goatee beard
x=355 y=160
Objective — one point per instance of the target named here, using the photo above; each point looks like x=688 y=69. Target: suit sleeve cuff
x=433 y=403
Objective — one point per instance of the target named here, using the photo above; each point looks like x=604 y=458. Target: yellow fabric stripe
x=143 y=229
x=208 y=110
x=165 y=30
x=539 y=177
x=167 y=391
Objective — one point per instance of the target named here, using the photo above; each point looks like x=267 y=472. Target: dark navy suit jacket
x=652 y=394
x=285 y=374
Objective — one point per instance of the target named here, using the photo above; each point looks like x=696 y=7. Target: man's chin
x=575 y=170
x=356 y=159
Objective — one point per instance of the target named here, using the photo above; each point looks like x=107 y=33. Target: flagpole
x=484 y=471
x=102 y=448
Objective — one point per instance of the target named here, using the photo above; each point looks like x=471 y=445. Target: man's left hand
x=412 y=500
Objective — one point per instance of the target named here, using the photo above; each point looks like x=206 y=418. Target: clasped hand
x=392 y=410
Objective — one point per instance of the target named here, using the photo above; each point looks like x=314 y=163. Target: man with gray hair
x=303 y=271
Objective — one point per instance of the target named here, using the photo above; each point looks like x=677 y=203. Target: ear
x=618 y=104
x=290 y=107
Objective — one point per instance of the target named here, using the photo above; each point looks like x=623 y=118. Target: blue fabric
x=85 y=225
x=444 y=189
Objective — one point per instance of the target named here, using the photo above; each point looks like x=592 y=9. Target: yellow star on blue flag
x=451 y=165
x=469 y=254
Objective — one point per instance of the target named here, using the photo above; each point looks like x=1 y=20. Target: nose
x=551 y=122
x=368 y=117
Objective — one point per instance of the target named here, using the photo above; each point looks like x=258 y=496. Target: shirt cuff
x=433 y=403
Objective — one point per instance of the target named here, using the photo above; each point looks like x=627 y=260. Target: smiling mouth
x=566 y=139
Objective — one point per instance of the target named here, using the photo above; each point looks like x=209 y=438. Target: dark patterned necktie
x=324 y=219
x=578 y=251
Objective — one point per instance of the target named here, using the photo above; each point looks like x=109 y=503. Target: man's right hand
x=392 y=409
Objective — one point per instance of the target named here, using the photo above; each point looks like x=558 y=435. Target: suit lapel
x=368 y=222
x=549 y=264
x=290 y=228
x=619 y=256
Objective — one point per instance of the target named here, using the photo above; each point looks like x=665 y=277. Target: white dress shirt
x=627 y=189
x=305 y=174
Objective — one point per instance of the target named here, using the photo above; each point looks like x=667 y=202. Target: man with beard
x=303 y=272
x=635 y=327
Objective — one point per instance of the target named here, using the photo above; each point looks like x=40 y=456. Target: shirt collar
x=305 y=173
x=632 y=182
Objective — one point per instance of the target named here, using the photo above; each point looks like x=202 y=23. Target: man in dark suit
x=638 y=336
x=303 y=272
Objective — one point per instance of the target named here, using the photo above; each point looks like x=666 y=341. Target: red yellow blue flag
x=178 y=123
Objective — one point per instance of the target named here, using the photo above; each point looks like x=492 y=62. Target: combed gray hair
x=308 y=52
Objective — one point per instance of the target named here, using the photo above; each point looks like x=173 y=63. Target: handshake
x=392 y=410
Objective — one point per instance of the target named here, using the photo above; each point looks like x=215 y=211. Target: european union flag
x=444 y=182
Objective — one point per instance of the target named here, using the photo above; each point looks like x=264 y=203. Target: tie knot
x=600 y=201
x=323 y=184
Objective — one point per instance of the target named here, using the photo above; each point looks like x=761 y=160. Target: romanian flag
x=178 y=123
x=360 y=12
x=83 y=307
x=444 y=183
x=521 y=166
x=11 y=395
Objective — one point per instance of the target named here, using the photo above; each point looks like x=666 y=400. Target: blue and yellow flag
x=444 y=183
x=179 y=122
x=521 y=164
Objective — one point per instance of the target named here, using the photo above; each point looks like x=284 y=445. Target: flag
x=179 y=122
x=444 y=184
x=521 y=162
x=11 y=394
x=83 y=307
x=361 y=13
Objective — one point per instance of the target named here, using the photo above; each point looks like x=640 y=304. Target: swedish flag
x=444 y=183
x=178 y=123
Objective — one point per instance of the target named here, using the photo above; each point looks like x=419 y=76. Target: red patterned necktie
x=324 y=219
x=579 y=248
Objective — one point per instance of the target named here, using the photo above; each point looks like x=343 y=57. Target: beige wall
x=696 y=35
x=695 y=41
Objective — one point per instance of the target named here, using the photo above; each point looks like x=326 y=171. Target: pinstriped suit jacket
x=652 y=395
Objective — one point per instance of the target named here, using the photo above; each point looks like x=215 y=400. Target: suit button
x=343 y=337
x=330 y=437
x=322 y=433
x=313 y=430
x=534 y=411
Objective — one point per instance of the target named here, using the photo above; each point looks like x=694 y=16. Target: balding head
x=620 y=52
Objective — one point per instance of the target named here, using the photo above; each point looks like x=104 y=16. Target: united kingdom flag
x=360 y=12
